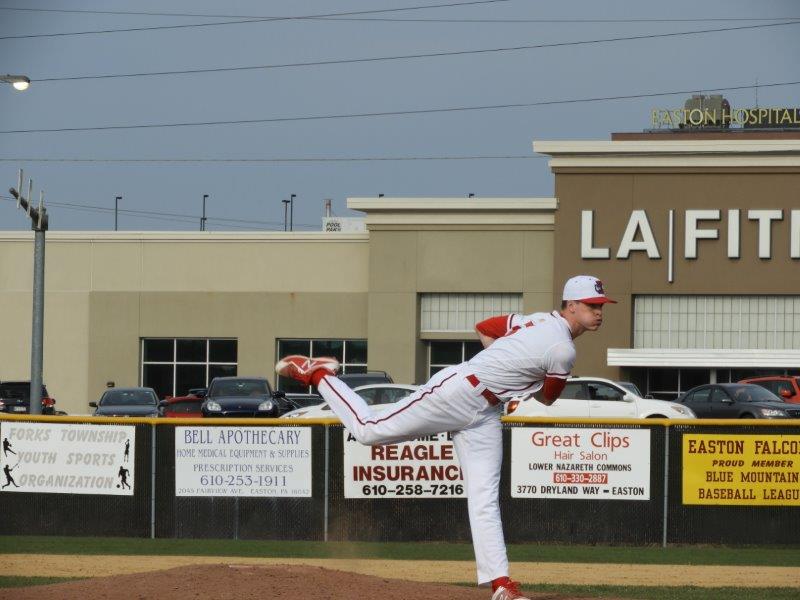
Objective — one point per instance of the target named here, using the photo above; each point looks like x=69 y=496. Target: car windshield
x=238 y=389
x=18 y=391
x=128 y=398
x=631 y=387
x=753 y=393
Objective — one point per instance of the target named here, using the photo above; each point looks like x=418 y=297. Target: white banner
x=68 y=458
x=243 y=461
x=425 y=467
x=596 y=464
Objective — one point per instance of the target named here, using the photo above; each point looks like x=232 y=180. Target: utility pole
x=291 y=212
x=285 y=213
x=116 y=210
x=203 y=218
x=39 y=224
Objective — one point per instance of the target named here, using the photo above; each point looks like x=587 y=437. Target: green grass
x=677 y=555
x=12 y=581
x=666 y=593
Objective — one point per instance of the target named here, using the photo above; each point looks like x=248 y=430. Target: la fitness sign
x=700 y=224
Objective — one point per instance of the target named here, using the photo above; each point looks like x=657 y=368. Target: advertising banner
x=425 y=467
x=570 y=463
x=741 y=469
x=56 y=458
x=243 y=461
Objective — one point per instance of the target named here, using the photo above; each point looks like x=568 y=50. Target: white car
x=595 y=397
x=377 y=395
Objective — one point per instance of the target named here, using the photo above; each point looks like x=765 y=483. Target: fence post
x=153 y=480
x=666 y=485
x=327 y=473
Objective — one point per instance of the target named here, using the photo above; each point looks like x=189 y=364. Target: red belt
x=490 y=397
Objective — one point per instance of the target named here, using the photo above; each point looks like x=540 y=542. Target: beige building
x=699 y=239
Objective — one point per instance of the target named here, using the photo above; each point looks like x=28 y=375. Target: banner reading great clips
x=56 y=458
x=243 y=461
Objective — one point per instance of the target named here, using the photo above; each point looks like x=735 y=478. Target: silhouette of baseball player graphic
x=123 y=478
x=127 y=450
x=7 y=447
x=524 y=356
x=9 y=479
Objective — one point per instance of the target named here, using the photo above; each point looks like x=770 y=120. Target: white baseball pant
x=448 y=402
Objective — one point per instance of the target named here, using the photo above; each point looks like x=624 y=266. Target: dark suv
x=15 y=397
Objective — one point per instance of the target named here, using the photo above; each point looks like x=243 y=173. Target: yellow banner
x=741 y=469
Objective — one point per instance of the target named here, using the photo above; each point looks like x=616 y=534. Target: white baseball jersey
x=535 y=346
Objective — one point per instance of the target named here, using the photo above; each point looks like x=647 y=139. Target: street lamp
x=203 y=218
x=19 y=82
x=285 y=213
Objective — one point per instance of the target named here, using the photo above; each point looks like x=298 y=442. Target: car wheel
x=747 y=416
x=656 y=417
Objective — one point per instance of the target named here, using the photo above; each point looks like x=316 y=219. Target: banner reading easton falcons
x=68 y=458
x=425 y=467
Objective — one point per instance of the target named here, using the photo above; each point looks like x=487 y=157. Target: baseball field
x=60 y=567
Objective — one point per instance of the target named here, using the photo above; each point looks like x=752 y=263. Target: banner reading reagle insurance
x=67 y=458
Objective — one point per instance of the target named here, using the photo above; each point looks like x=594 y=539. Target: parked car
x=15 y=397
x=198 y=392
x=737 y=401
x=244 y=397
x=785 y=387
x=127 y=402
x=181 y=406
x=303 y=400
x=379 y=395
x=355 y=380
x=598 y=398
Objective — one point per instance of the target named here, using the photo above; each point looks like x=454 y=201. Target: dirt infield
x=60 y=565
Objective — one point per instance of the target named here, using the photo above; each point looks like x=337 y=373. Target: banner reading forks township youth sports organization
x=67 y=458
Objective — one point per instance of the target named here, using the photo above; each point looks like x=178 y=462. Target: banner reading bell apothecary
x=425 y=467
x=67 y=458
x=591 y=463
x=243 y=461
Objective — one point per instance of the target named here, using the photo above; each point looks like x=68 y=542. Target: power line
x=373 y=59
x=253 y=20
x=403 y=112
x=400 y=20
x=176 y=217
x=268 y=160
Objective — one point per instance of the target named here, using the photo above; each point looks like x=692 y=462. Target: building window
x=460 y=312
x=717 y=322
x=173 y=366
x=446 y=354
x=351 y=354
x=665 y=383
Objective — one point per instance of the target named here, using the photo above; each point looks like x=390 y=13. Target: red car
x=782 y=386
x=181 y=406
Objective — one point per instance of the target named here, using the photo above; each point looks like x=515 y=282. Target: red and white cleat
x=302 y=368
x=506 y=589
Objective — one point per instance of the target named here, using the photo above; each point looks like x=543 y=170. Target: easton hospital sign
x=703 y=224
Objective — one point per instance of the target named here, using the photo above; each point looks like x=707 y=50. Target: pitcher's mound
x=243 y=582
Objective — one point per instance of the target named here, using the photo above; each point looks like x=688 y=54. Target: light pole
x=19 y=82
x=291 y=212
x=285 y=212
x=39 y=224
x=203 y=218
x=116 y=210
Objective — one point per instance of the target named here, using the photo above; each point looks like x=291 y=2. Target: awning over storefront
x=671 y=357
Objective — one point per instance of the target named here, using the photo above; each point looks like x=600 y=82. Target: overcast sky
x=80 y=195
